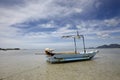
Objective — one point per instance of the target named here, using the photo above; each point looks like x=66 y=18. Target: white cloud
x=48 y=36
x=34 y=10
x=65 y=30
x=98 y=24
x=11 y=36
x=50 y=24
x=103 y=34
x=37 y=35
x=112 y=22
x=6 y=31
x=102 y=28
x=31 y=10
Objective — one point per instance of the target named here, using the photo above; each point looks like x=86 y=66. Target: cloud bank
x=37 y=23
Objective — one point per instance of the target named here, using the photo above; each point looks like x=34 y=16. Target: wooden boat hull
x=71 y=57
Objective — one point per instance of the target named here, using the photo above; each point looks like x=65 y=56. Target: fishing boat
x=76 y=56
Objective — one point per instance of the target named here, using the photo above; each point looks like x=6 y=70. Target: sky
x=35 y=24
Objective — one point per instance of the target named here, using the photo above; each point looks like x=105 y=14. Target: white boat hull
x=70 y=57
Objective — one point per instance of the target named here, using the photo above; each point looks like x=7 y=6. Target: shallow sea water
x=27 y=65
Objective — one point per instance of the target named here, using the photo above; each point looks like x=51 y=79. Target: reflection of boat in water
x=54 y=57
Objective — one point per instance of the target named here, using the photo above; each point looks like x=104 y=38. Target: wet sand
x=105 y=66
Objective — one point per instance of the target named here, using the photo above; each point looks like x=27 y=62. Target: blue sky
x=35 y=24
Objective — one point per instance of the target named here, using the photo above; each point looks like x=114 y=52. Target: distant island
x=109 y=46
x=9 y=49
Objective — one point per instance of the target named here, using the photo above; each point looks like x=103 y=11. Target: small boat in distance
x=63 y=57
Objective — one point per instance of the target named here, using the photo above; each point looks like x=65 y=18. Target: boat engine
x=49 y=51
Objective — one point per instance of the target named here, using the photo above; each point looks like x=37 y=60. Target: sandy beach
x=105 y=66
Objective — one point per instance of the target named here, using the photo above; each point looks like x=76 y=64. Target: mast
x=84 y=44
x=83 y=40
x=75 y=45
x=78 y=37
